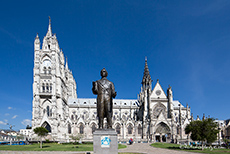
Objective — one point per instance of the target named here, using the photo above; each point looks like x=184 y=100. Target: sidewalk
x=147 y=149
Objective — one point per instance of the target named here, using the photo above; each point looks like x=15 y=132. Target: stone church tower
x=52 y=86
x=162 y=117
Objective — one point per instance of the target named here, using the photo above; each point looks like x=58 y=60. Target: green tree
x=75 y=138
x=226 y=141
x=203 y=131
x=41 y=132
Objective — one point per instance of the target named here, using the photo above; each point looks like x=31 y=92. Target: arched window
x=69 y=129
x=162 y=128
x=81 y=129
x=130 y=129
x=76 y=117
x=139 y=129
x=118 y=129
x=47 y=87
x=72 y=117
x=93 y=127
x=48 y=111
x=49 y=70
x=47 y=126
x=43 y=87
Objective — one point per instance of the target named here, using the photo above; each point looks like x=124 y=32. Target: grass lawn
x=177 y=147
x=54 y=147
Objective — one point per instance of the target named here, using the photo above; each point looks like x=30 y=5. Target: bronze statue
x=105 y=91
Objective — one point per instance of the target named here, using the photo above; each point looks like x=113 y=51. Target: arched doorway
x=162 y=132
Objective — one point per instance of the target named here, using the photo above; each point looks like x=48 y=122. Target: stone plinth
x=105 y=141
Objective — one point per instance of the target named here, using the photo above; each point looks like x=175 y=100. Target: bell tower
x=52 y=86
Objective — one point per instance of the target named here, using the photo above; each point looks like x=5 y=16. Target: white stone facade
x=57 y=108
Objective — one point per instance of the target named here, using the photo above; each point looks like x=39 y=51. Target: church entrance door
x=158 y=138
x=163 y=138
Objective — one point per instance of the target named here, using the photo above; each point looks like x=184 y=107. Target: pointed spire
x=146 y=77
x=49 y=32
x=66 y=64
x=198 y=118
x=203 y=116
x=37 y=43
x=37 y=40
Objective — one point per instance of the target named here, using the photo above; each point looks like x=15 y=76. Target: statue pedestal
x=105 y=141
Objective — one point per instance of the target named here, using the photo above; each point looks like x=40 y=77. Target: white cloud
x=15 y=116
x=7 y=114
x=9 y=108
x=26 y=122
x=2 y=123
x=5 y=120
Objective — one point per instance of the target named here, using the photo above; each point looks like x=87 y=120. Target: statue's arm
x=94 y=89
x=114 y=93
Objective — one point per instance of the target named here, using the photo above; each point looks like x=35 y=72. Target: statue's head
x=104 y=73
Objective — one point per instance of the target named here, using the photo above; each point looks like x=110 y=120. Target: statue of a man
x=105 y=91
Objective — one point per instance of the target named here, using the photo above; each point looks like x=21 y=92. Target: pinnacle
x=49 y=32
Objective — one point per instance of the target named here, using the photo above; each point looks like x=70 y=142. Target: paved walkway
x=147 y=149
x=136 y=147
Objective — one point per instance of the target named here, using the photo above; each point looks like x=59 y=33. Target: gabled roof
x=158 y=92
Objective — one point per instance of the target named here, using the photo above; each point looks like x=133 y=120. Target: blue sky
x=187 y=44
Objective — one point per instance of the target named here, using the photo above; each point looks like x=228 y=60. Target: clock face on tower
x=158 y=92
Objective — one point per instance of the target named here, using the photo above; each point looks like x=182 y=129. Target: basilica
x=153 y=116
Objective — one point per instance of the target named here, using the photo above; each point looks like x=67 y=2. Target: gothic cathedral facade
x=153 y=116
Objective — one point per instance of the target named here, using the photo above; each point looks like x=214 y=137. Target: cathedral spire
x=146 y=80
x=37 y=43
x=66 y=64
x=49 y=32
